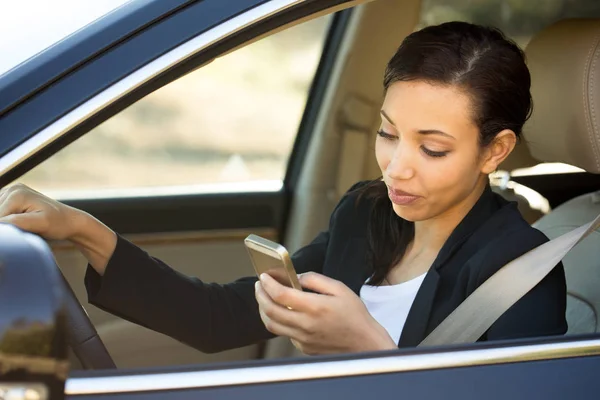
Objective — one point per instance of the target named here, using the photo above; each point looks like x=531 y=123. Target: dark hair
x=483 y=63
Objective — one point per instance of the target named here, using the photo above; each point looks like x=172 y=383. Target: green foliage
x=34 y=340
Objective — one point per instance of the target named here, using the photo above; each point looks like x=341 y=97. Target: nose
x=401 y=165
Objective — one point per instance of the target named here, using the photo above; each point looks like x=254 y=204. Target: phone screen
x=263 y=263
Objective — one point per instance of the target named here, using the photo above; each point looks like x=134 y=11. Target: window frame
x=335 y=367
x=83 y=106
x=190 y=211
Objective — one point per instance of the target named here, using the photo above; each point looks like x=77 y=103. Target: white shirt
x=389 y=305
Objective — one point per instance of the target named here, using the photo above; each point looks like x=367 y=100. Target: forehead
x=418 y=105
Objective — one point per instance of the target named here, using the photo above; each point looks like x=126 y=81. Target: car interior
x=551 y=174
x=565 y=113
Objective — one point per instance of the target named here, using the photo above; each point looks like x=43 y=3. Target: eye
x=431 y=153
x=386 y=135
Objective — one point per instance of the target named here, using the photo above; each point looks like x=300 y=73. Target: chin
x=410 y=213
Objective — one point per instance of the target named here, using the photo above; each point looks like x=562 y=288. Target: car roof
x=41 y=70
x=51 y=23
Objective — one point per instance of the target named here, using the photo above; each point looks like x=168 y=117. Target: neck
x=431 y=234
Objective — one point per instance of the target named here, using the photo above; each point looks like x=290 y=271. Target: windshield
x=28 y=27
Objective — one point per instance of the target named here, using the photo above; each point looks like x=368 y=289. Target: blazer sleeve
x=207 y=316
x=541 y=312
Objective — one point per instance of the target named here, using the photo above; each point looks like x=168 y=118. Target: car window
x=228 y=126
x=47 y=22
x=518 y=19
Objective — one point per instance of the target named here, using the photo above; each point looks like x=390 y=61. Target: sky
x=30 y=26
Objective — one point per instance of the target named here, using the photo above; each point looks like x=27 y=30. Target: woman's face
x=428 y=150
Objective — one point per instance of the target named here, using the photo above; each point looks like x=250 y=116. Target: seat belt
x=474 y=316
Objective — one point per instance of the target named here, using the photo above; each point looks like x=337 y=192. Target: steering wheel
x=81 y=333
x=82 y=336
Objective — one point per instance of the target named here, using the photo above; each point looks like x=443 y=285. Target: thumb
x=30 y=222
x=321 y=283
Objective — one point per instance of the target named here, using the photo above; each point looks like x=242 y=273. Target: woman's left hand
x=334 y=320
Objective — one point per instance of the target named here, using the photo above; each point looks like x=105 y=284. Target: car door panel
x=533 y=380
x=524 y=370
x=187 y=211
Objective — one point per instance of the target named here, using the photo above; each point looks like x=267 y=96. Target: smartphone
x=272 y=258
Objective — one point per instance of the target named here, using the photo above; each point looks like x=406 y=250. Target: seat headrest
x=564 y=61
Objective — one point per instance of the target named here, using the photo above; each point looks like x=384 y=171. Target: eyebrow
x=421 y=131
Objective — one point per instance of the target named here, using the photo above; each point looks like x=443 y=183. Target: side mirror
x=33 y=341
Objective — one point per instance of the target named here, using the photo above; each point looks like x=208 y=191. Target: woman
x=400 y=253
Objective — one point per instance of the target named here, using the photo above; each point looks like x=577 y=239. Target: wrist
x=380 y=340
x=386 y=343
x=95 y=240
x=80 y=226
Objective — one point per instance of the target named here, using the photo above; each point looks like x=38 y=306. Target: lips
x=401 y=198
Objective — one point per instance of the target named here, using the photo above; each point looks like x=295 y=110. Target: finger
x=13 y=200
x=274 y=316
x=7 y=191
x=273 y=310
x=8 y=205
x=30 y=222
x=278 y=328
x=285 y=296
x=321 y=284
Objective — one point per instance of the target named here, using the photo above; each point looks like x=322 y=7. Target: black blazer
x=212 y=317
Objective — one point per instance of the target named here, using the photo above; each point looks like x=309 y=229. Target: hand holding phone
x=272 y=258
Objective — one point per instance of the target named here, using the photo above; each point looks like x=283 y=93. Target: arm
x=124 y=280
x=206 y=316
x=209 y=317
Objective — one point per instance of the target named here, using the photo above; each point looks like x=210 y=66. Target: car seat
x=564 y=61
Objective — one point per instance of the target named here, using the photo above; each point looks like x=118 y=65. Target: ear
x=497 y=151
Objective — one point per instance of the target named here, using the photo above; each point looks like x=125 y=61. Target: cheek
x=383 y=154
x=454 y=174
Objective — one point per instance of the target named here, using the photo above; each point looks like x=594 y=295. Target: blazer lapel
x=415 y=327
x=480 y=214
x=418 y=316
x=352 y=264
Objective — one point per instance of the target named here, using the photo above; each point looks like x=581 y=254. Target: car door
x=48 y=109
x=548 y=369
x=183 y=163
